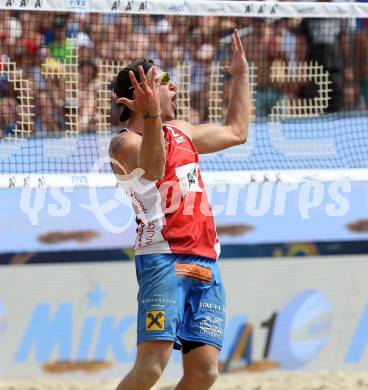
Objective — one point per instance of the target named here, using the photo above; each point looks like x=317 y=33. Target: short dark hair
x=89 y=62
x=122 y=84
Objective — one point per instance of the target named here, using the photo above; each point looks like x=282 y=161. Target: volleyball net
x=308 y=73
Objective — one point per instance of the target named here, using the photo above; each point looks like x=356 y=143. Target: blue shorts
x=181 y=297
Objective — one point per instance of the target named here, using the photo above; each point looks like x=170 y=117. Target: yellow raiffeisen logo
x=155 y=320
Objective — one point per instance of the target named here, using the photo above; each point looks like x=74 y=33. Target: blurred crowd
x=31 y=38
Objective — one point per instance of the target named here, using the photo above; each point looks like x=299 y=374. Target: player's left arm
x=209 y=137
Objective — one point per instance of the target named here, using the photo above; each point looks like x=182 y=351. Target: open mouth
x=173 y=102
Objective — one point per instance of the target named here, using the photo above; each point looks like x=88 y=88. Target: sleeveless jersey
x=173 y=213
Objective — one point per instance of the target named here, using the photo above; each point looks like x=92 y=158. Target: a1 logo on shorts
x=155 y=320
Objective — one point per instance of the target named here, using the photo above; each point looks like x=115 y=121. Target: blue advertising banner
x=46 y=220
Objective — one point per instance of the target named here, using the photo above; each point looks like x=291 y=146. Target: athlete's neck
x=135 y=124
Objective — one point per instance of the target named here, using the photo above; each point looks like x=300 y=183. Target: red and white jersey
x=173 y=214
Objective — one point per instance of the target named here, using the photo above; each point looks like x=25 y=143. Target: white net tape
x=196 y=8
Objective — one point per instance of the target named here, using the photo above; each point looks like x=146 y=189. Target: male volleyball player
x=181 y=299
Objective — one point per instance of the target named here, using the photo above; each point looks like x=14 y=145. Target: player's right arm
x=152 y=152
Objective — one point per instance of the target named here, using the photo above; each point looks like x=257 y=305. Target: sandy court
x=337 y=380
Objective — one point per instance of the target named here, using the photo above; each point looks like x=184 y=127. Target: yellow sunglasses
x=164 y=79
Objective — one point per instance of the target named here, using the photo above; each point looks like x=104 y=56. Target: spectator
x=289 y=40
x=262 y=49
x=361 y=63
x=60 y=47
x=95 y=28
x=283 y=51
x=202 y=54
x=8 y=115
x=120 y=30
x=88 y=95
x=10 y=32
x=169 y=51
x=49 y=93
x=118 y=36
x=350 y=92
x=325 y=42
x=114 y=52
x=179 y=25
x=143 y=24
x=86 y=47
x=50 y=107
x=139 y=47
x=31 y=40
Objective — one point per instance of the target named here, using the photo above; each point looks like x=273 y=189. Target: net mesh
x=309 y=80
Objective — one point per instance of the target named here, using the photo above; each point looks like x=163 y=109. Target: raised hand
x=239 y=64
x=146 y=95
